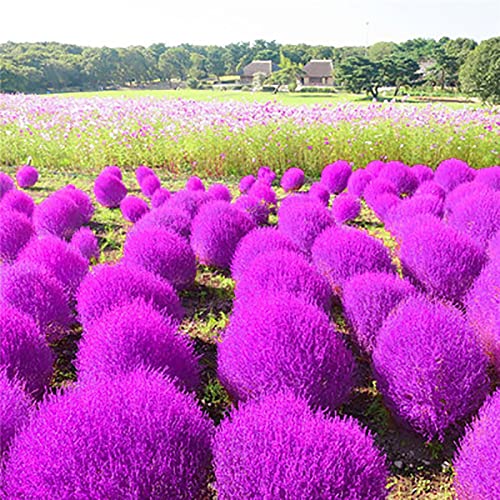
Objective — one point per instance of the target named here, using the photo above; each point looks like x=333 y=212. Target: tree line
x=459 y=64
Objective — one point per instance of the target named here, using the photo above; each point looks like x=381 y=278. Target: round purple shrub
x=411 y=207
x=483 y=305
x=6 y=184
x=378 y=187
x=59 y=216
x=319 y=192
x=255 y=243
x=429 y=366
x=266 y=175
x=263 y=191
x=108 y=286
x=59 y=258
x=477 y=464
x=163 y=253
x=278 y=271
x=255 y=208
x=279 y=342
x=401 y=176
x=18 y=201
x=293 y=179
x=336 y=175
x=149 y=185
x=489 y=176
x=302 y=219
x=85 y=241
x=423 y=173
x=439 y=260
x=141 y=172
x=461 y=192
x=220 y=192
x=194 y=183
x=15 y=407
x=382 y=204
x=24 y=353
x=109 y=190
x=452 y=172
x=357 y=182
x=135 y=335
x=189 y=201
x=494 y=247
x=27 y=176
x=167 y=218
x=112 y=170
x=133 y=208
x=478 y=215
x=15 y=232
x=374 y=167
x=160 y=196
x=157 y=445
x=368 y=299
x=246 y=183
x=278 y=448
x=82 y=200
x=36 y=292
x=216 y=232
x=430 y=188
x=340 y=253
x=345 y=207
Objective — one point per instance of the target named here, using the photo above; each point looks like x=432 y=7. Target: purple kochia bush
x=489 y=176
x=278 y=448
x=429 y=366
x=135 y=335
x=368 y=299
x=6 y=184
x=280 y=342
x=216 y=232
x=246 y=183
x=283 y=271
x=266 y=175
x=477 y=464
x=133 y=208
x=401 y=176
x=293 y=179
x=357 y=182
x=257 y=209
x=112 y=170
x=340 y=253
x=483 y=310
x=412 y=207
x=335 y=176
x=263 y=192
x=374 y=167
x=163 y=253
x=219 y=192
x=15 y=408
x=302 y=219
x=461 y=192
x=149 y=185
x=194 y=183
x=452 y=172
x=18 y=201
x=141 y=172
x=494 y=247
x=157 y=445
x=109 y=190
x=189 y=201
x=168 y=218
x=15 y=232
x=82 y=201
x=424 y=173
x=27 y=176
x=85 y=241
x=319 y=192
x=345 y=207
x=431 y=188
x=160 y=196
x=24 y=353
x=255 y=243
x=439 y=260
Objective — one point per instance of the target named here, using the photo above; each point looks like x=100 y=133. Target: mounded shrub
x=109 y=190
x=82 y=201
x=15 y=232
x=133 y=208
x=188 y=200
x=168 y=218
x=112 y=170
x=160 y=196
x=452 y=172
x=57 y=215
x=266 y=175
x=85 y=241
x=246 y=183
x=293 y=179
x=431 y=188
x=257 y=209
x=489 y=176
x=412 y=207
x=401 y=176
x=6 y=184
x=194 y=183
x=345 y=207
x=461 y=192
x=374 y=167
x=219 y=192
x=18 y=201
x=336 y=175
x=141 y=172
x=423 y=173
x=357 y=182
x=263 y=191
x=149 y=185
x=319 y=192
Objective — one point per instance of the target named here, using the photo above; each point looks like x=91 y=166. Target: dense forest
x=445 y=64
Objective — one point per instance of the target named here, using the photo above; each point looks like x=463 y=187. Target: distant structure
x=318 y=72
x=266 y=67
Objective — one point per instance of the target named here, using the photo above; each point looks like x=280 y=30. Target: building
x=318 y=72
x=266 y=67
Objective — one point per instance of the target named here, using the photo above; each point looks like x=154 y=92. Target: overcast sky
x=120 y=23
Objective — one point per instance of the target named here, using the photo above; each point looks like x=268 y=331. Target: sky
x=121 y=23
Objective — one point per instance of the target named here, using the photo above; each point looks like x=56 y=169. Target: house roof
x=318 y=68
x=265 y=67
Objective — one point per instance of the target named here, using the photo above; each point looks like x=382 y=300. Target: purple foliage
x=149 y=185
x=319 y=192
x=336 y=175
x=452 y=172
x=15 y=232
x=424 y=173
x=81 y=199
x=461 y=192
x=27 y=176
x=340 y=253
x=440 y=260
x=168 y=218
x=494 y=247
x=109 y=190
x=108 y=286
x=357 y=182
x=489 y=176
x=18 y=201
x=133 y=208
x=263 y=191
x=255 y=208
x=163 y=253
x=112 y=170
x=266 y=175
x=157 y=445
x=160 y=196
x=383 y=204
x=401 y=176
x=189 y=201
x=293 y=179
x=279 y=342
x=278 y=448
x=219 y=192
x=368 y=299
x=429 y=366
x=345 y=207
x=477 y=464
x=141 y=172
x=194 y=183
x=430 y=188
x=216 y=232
x=378 y=187
x=85 y=241
x=24 y=353
x=6 y=184
x=135 y=335
x=246 y=183
x=374 y=167
x=412 y=207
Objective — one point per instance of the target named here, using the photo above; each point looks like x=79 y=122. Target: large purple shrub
x=15 y=232
x=257 y=209
x=358 y=181
x=6 y=184
x=461 y=192
x=263 y=191
x=412 y=207
x=216 y=232
x=219 y=192
x=374 y=167
x=112 y=170
x=279 y=342
x=85 y=241
x=194 y=183
x=18 y=201
x=345 y=207
x=149 y=185
x=246 y=183
x=86 y=443
x=336 y=175
x=429 y=366
x=135 y=335
x=423 y=173
x=293 y=179
x=133 y=208
x=319 y=192
x=59 y=216
x=109 y=190
x=168 y=218
x=430 y=188
x=188 y=200
x=82 y=201
x=401 y=176
x=141 y=172
x=489 y=176
x=266 y=175
x=278 y=448
x=452 y=172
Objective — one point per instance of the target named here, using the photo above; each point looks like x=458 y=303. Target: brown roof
x=265 y=67
x=319 y=68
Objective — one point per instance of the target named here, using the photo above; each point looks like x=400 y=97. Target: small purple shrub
x=27 y=176
x=160 y=196
x=336 y=175
x=85 y=241
x=189 y=201
x=167 y=218
x=82 y=201
x=357 y=182
x=319 y=192
x=263 y=191
x=374 y=167
x=194 y=183
x=15 y=232
x=149 y=185
x=109 y=190
x=293 y=179
x=383 y=204
x=255 y=208
x=266 y=175
x=430 y=188
x=18 y=201
x=345 y=208
x=57 y=215
x=141 y=172
x=489 y=176
x=452 y=172
x=423 y=173
x=401 y=176
x=378 y=187
x=246 y=183
x=112 y=170
x=6 y=184
x=133 y=208
x=220 y=192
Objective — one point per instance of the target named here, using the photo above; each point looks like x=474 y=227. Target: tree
x=399 y=71
x=359 y=74
x=175 y=63
x=382 y=50
x=215 y=63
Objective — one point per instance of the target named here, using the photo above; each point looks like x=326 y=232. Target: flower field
x=319 y=328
